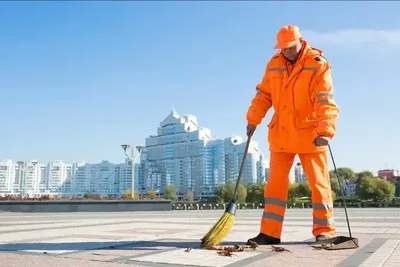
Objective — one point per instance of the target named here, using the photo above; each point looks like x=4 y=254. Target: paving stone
x=197 y=257
x=159 y=239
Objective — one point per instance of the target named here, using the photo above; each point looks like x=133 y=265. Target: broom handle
x=241 y=169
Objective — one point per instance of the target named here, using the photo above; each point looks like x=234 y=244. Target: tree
x=385 y=191
x=219 y=200
x=376 y=189
x=397 y=185
x=293 y=193
x=364 y=188
x=255 y=193
x=225 y=193
x=189 y=196
x=364 y=174
x=170 y=192
x=333 y=195
x=128 y=194
x=334 y=182
x=346 y=173
x=304 y=190
x=89 y=194
x=151 y=194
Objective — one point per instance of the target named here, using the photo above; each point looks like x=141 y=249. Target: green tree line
x=368 y=188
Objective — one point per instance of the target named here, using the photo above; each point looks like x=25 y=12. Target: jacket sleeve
x=325 y=106
x=261 y=102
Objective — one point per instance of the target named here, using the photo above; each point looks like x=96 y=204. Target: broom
x=222 y=228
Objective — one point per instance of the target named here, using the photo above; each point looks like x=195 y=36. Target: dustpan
x=338 y=242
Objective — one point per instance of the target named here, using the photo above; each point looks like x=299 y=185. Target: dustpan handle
x=341 y=190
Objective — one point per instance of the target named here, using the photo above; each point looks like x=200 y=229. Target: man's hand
x=321 y=141
x=250 y=130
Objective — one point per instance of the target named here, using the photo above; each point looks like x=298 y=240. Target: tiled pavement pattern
x=161 y=238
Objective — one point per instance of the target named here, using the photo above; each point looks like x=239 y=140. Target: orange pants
x=315 y=166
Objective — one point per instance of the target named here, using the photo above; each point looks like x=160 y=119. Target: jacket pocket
x=273 y=121
x=304 y=122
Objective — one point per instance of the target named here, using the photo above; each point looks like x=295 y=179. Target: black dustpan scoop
x=337 y=243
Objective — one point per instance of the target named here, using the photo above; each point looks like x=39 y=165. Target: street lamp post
x=132 y=156
x=24 y=170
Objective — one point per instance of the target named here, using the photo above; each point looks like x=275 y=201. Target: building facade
x=299 y=174
x=32 y=179
x=185 y=155
x=388 y=174
x=350 y=189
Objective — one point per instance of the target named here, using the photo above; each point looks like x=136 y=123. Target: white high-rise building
x=104 y=178
x=32 y=172
x=234 y=148
x=79 y=178
x=184 y=154
x=261 y=166
x=300 y=176
x=292 y=174
x=58 y=178
x=7 y=177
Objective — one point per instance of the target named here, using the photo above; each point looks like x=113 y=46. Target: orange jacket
x=302 y=97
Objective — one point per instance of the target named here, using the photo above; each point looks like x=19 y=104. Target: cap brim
x=284 y=45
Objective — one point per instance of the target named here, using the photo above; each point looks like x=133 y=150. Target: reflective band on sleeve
x=258 y=93
x=325 y=101
x=275 y=201
x=310 y=68
x=277 y=69
x=272 y=216
x=328 y=221
x=324 y=94
x=318 y=206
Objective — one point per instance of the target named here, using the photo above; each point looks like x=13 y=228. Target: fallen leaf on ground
x=253 y=244
x=225 y=253
x=279 y=249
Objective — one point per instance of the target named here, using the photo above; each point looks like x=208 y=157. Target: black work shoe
x=322 y=237
x=263 y=239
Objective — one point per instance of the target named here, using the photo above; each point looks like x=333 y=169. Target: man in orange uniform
x=297 y=83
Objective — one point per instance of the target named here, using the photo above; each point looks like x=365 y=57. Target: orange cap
x=287 y=36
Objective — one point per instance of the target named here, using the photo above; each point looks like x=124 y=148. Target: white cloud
x=351 y=37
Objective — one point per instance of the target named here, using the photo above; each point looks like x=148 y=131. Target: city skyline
x=241 y=138
x=182 y=153
x=81 y=78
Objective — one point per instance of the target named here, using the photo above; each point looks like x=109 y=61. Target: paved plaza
x=163 y=238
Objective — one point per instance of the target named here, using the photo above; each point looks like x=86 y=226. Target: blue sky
x=77 y=79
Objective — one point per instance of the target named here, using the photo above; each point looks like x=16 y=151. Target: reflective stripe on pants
x=275 y=193
x=316 y=169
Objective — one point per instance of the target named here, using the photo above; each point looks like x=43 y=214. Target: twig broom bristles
x=223 y=227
